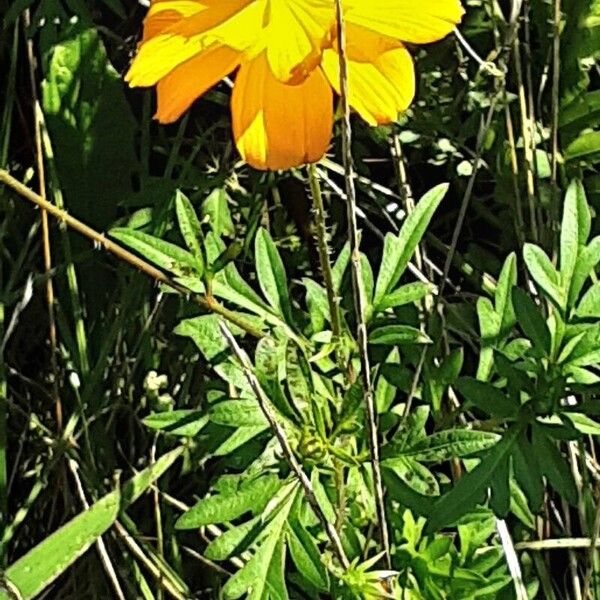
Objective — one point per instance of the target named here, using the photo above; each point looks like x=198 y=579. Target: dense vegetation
x=184 y=393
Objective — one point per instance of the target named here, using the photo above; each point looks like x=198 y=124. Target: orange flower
x=287 y=60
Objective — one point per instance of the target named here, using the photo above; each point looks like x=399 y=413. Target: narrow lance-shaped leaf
x=398 y=251
x=189 y=225
x=574 y=231
x=271 y=275
x=49 y=559
x=531 y=321
x=544 y=274
x=165 y=255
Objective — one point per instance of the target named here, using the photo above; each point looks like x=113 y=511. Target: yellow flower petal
x=294 y=35
x=187 y=82
x=279 y=126
x=162 y=14
x=413 y=21
x=381 y=75
x=235 y=20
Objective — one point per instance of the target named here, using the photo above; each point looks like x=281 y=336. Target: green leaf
x=414 y=474
x=487 y=397
x=262 y=573
x=391 y=335
x=574 y=231
x=206 y=334
x=238 y=413
x=527 y=472
x=234 y=540
x=471 y=487
x=306 y=555
x=398 y=250
x=531 y=321
x=189 y=225
x=182 y=422
x=163 y=254
x=406 y=294
x=399 y=490
x=586 y=146
x=445 y=445
x=318 y=306
x=588 y=259
x=37 y=569
x=238 y=438
x=502 y=298
x=583 y=423
x=271 y=275
x=216 y=209
x=553 y=465
x=589 y=306
x=251 y=497
x=91 y=126
x=544 y=274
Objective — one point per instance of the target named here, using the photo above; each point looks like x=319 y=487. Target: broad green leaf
x=445 y=445
x=181 y=422
x=589 y=306
x=587 y=351
x=583 y=423
x=257 y=572
x=398 y=250
x=391 y=335
x=385 y=392
x=399 y=490
x=406 y=294
x=271 y=275
x=339 y=267
x=52 y=557
x=233 y=541
x=189 y=225
x=586 y=146
x=37 y=569
x=238 y=413
x=275 y=580
x=588 y=259
x=238 y=438
x=531 y=321
x=306 y=555
x=298 y=379
x=230 y=285
x=206 y=334
x=527 y=472
x=500 y=489
x=553 y=465
x=471 y=487
x=544 y=273
x=318 y=306
x=487 y=397
x=216 y=209
x=91 y=126
x=165 y=255
x=574 y=231
x=489 y=326
x=414 y=474
x=251 y=497
x=502 y=297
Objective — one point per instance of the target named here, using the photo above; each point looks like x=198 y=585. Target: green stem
x=324 y=252
x=358 y=290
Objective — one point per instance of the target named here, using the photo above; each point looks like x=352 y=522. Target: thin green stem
x=324 y=253
x=358 y=288
x=3 y=432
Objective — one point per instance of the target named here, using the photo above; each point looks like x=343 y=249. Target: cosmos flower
x=285 y=53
